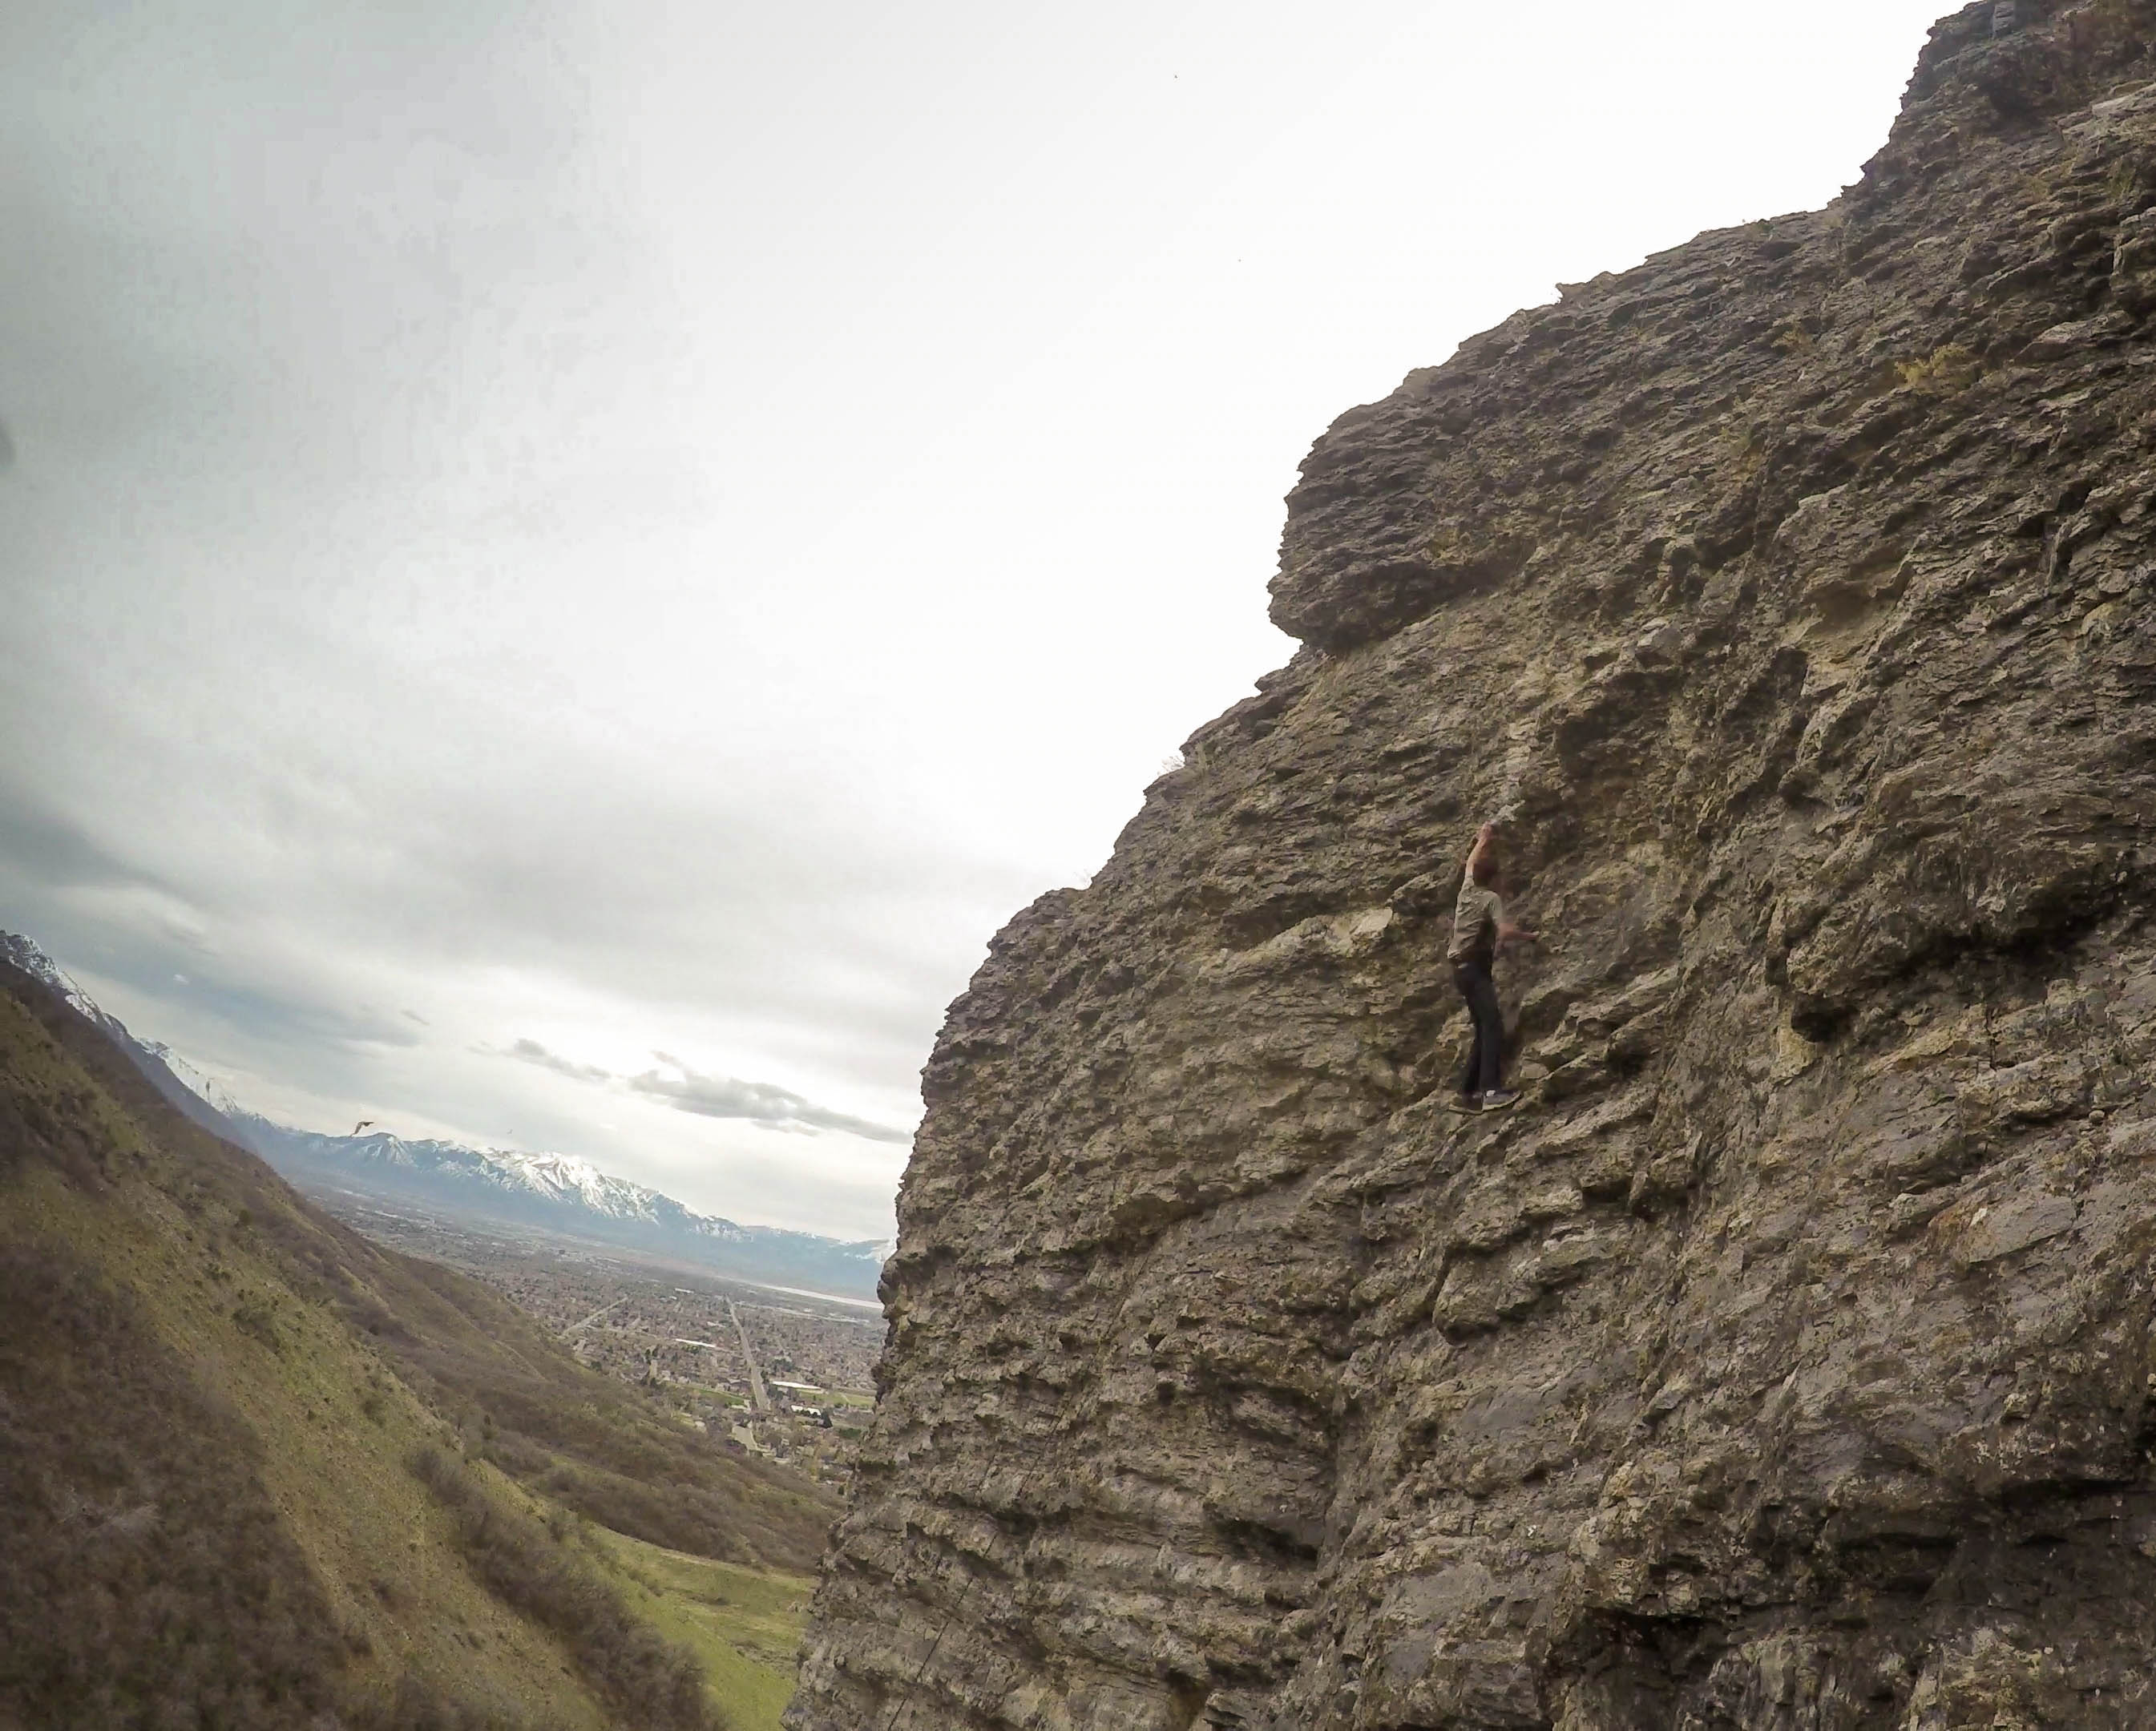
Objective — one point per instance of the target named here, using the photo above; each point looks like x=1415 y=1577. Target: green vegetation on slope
x=210 y=1395
x=146 y=1562
x=206 y=1519
x=743 y=1624
x=656 y=1686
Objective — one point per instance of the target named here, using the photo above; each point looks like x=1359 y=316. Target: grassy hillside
x=742 y=1624
x=217 y=1410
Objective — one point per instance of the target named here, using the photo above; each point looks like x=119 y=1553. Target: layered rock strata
x=1784 y=1363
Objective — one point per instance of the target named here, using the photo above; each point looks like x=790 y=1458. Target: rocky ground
x=1784 y=1363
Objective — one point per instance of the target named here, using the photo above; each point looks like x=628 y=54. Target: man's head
x=1484 y=867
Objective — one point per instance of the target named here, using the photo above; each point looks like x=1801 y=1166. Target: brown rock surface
x=1784 y=1361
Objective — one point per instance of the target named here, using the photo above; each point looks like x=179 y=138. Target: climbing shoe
x=1499 y=1100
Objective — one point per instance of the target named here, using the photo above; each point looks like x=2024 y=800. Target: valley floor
x=679 y=1335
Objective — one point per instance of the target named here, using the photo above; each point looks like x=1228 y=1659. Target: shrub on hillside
x=657 y=1684
x=144 y=1577
x=416 y=1706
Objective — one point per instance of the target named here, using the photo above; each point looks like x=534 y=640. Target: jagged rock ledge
x=1786 y=1364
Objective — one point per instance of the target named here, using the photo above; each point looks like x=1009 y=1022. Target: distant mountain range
x=557 y=1195
x=561 y=1196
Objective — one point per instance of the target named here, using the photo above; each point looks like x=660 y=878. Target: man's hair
x=1485 y=868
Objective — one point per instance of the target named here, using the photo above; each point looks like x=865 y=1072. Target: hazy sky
x=565 y=565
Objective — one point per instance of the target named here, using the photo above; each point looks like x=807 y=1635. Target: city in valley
x=786 y=1376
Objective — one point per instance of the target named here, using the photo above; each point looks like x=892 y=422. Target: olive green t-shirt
x=1476 y=916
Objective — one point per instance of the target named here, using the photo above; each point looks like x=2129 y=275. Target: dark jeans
x=1472 y=977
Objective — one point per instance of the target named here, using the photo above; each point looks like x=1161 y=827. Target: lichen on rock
x=1785 y=1365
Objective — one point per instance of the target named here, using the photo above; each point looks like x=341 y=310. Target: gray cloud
x=763 y=1104
x=433 y=575
x=42 y=842
x=773 y=1108
x=530 y=1051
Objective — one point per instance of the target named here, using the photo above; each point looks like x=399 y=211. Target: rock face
x=1784 y=1363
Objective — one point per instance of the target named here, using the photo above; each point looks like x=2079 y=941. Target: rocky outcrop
x=1785 y=1363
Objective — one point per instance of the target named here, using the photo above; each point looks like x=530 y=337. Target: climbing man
x=1479 y=929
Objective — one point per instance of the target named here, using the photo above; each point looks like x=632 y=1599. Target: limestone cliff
x=1785 y=1361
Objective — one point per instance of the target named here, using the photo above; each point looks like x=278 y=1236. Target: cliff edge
x=1784 y=1363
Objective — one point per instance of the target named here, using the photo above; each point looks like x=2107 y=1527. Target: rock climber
x=1479 y=929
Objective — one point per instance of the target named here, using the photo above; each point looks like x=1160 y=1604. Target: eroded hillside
x=1784 y=1363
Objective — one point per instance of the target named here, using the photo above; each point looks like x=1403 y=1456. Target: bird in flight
x=363 y=1124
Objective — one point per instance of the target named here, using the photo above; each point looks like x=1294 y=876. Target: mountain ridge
x=569 y=1196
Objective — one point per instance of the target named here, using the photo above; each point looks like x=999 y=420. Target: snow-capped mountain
x=39 y=966
x=193 y=1093
x=564 y=1195
x=560 y=1194
x=200 y=1083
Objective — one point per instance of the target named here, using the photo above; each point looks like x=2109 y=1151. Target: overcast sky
x=565 y=565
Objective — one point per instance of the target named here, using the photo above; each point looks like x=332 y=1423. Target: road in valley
x=593 y=1317
x=757 y=1398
